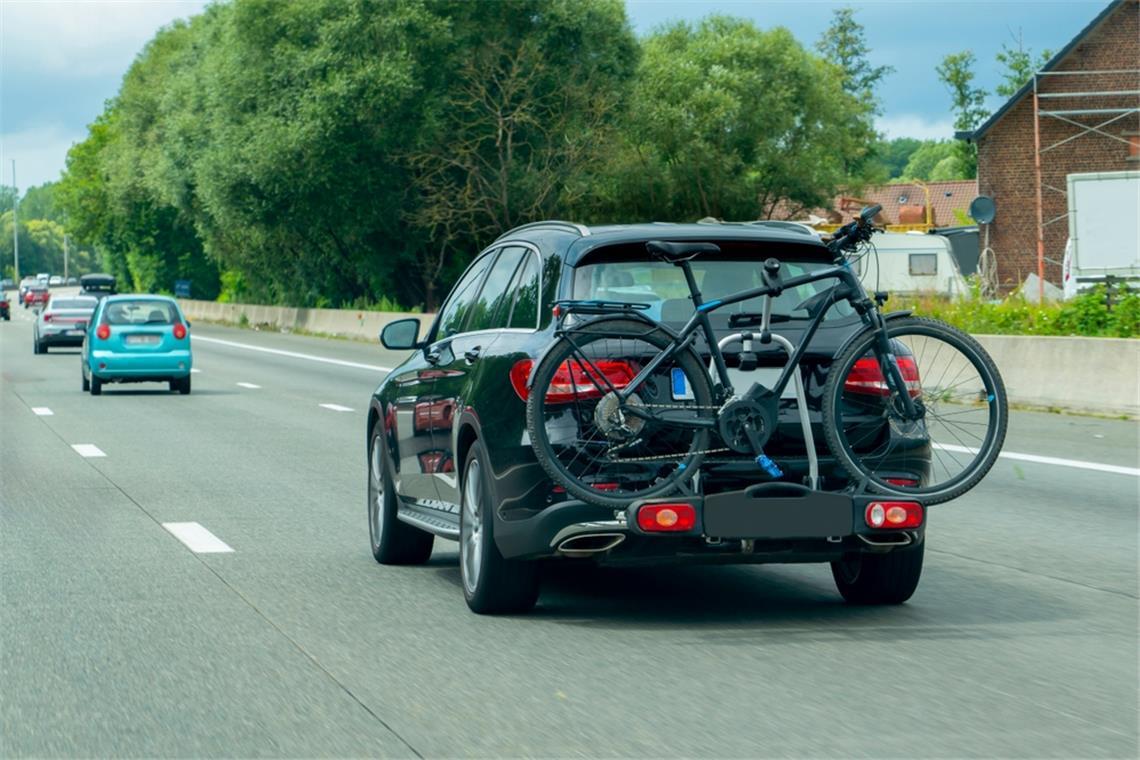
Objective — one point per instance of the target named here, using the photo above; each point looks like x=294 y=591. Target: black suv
x=448 y=448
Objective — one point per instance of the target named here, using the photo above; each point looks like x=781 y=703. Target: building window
x=924 y=263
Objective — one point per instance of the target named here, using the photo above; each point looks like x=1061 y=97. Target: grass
x=1087 y=315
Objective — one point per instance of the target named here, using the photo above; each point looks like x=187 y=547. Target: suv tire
x=393 y=542
x=879 y=578
x=491 y=583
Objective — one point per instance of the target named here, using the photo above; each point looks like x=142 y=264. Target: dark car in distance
x=448 y=448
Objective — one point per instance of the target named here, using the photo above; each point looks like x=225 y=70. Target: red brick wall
x=1006 y=152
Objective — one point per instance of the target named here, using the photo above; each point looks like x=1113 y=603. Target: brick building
x=1088 y=122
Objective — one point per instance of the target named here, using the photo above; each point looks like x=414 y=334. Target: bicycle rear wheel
x=586 y=438
x=962 y=412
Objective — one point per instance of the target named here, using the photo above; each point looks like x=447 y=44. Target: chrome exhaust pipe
x=589 y=544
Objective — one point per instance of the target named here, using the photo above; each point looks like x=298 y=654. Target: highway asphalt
x=117 y=640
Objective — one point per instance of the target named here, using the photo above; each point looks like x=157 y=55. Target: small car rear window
x=141 y=312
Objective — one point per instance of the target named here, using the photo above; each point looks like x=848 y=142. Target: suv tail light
x=575 y=380
x=866 y=377
x=179 y=331
x=103 y=332
x=893 y=514
x=47 y=316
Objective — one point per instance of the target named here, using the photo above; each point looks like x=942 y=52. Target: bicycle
x=623 y=408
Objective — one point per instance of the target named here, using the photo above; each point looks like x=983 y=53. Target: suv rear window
x=662 y=286
x=142 y=312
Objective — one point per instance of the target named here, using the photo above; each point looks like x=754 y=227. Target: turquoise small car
x=136 y=339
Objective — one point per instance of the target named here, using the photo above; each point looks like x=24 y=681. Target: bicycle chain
x=659 y=457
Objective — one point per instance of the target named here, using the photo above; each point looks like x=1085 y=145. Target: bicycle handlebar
x=847 y=237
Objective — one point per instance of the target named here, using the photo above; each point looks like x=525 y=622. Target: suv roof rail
x=581 y=229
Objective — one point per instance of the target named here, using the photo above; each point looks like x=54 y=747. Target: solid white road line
x=42 y=411
x=294 y=354
x=249 y=385
x=197 y=539
x=87 y=450
x=1057 y=462
x=336 y=407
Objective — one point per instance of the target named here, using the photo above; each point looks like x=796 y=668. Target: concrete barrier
x=1099 y=375
x=1079 y=374
x=346 y=323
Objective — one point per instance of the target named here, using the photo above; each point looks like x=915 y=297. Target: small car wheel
x=184 y=386
x=879 y=578
x=86 y=382
x=393 y=542
x=491 y=584
x=96 y=386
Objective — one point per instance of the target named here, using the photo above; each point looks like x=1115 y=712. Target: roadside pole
x=65 y=258
x=15 y=226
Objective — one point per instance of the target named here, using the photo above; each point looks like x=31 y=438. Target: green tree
x=933 y=161
x=730 y=121
x=527 y=113
x=39 y=203
x=894 y=154
x=844 y=43
x=956 y=72
x=1018 y=65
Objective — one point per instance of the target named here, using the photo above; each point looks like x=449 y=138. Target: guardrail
x=1100 y=375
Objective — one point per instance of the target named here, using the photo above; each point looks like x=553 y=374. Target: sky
x=61 y=59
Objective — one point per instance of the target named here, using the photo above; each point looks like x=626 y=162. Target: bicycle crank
x=745 y=425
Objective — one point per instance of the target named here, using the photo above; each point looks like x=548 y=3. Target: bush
x=1086 y=315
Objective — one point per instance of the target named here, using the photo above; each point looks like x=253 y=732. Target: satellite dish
x=982 y=209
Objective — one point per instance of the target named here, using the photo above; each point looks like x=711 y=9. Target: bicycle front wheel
x=955 y=434
x=606 y=450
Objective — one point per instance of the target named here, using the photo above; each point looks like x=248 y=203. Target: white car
x=55 y=280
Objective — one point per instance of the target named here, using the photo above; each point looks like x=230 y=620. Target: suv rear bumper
x=612 y=537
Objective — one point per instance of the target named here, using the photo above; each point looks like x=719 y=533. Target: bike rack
x=801 y=397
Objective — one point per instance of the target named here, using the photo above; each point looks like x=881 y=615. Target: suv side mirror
x=401 y=335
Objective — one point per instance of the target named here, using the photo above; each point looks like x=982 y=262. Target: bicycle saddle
x=675 y=252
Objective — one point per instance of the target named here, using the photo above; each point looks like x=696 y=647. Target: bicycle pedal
x=765 y=462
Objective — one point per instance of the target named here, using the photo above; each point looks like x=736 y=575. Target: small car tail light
x=666 y=518
x=866 y=378
x=519 y=374
x=103 y=332
x=893 y=514
x=179 y=331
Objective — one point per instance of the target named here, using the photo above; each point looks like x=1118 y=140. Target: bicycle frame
x=854 y=293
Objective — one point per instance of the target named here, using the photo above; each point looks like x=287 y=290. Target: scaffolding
x=1067 y=115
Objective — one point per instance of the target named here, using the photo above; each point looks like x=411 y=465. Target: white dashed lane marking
x=42 y=411
x=337 y=407
x=87 y=450
x=197 y=539
x=249 y=385
x=195 y=371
